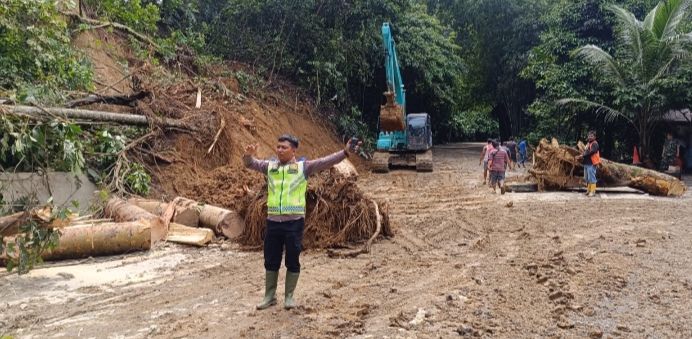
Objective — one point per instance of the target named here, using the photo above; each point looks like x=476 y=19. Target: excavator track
x=424 y=162
x=380 y=162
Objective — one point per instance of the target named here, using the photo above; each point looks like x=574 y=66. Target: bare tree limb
x=120 y=118
x=125 y=100
x=101 y=24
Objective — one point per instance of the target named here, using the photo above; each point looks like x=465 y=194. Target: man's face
x=592 y=137
x=285 y=151
x=669 y=136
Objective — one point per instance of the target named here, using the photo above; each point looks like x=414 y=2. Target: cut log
x=346 y=169
x=122 y=211
x=154 y=207
x=224 y=222
x=556 y=167
x=103 y=239
x=10 y=224
x=125 y=100
x=119 y=118
x=185 y=214
x=189 y=235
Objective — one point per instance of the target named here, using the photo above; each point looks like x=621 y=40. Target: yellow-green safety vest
x=287 y=186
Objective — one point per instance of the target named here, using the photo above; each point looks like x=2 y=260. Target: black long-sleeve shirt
x=590 y=150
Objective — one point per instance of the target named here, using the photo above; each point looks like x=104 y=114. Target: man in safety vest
x=287 y=184
x=591 y=159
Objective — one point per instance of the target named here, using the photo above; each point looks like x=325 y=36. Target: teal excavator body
x=404 y=140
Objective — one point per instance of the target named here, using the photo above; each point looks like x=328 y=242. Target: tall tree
x=649 y=55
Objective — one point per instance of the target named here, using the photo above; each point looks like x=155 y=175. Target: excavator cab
x=419 y=132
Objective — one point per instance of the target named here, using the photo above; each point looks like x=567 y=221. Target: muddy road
x=464 y=262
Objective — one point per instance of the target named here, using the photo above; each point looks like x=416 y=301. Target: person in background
x=591 y=159
x=498 y=162
x=670 y=153
x=512 y=150
x=522 y=150
x=485 y=153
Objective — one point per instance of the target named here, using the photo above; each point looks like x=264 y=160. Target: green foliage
x=247 y=82
x=335 y=49
x=648 y=56
x=556 y=74
x=133 y=13
x=26 y=249
x=474 y=123
x=27 y=145
x=37 y=63
x=137 y=180
x=495 y=38
x=350 y=124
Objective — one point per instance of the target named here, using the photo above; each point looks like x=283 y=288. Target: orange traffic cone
x=635 y=157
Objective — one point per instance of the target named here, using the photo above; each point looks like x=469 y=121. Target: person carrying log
x=590 y=159
x=287 y=185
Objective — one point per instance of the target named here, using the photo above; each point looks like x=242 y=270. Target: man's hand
x=251 y=149
x=350 y=148
x=579 y=157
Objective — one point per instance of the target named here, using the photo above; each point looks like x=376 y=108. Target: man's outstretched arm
x=251 y=162
x=321 y=164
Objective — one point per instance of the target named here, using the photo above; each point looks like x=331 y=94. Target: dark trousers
x=278 y=235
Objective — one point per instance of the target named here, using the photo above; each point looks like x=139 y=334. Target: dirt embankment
x=180 y=162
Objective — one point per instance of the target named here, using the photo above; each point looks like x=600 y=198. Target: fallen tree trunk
x=10 y=224
x=120 y=118
x=556 y=166
x=187 y=215
x=102 y=239
x=189 y=235
x=346 y=169
x=121 y=211
x=224 y=222
x=108 y=99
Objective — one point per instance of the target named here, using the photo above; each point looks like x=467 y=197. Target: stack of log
x=132 y=225
x=556 y=167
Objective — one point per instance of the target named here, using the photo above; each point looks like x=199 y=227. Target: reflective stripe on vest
x=286 y=187
x=596 y=157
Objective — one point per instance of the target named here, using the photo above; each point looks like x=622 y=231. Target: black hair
x=593 y=132
x=293 y=140
x=496 y=144
x=490 y=140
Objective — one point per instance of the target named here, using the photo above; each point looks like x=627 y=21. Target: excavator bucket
x=391 y=115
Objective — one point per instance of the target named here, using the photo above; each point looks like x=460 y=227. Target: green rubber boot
x=270 y=281
x=291 y=282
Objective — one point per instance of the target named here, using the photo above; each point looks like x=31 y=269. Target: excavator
x=404 y=139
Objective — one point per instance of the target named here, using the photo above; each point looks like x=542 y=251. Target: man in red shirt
x=497 y=163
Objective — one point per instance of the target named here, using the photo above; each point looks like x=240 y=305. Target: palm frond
x=667 y=17
x=609 y=114
x=649 y=19
x=630 y=32
x=596 y=56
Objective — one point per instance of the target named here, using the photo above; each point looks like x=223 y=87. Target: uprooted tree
x=556 y=167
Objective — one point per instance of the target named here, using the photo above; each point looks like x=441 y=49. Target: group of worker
x=496 y=158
